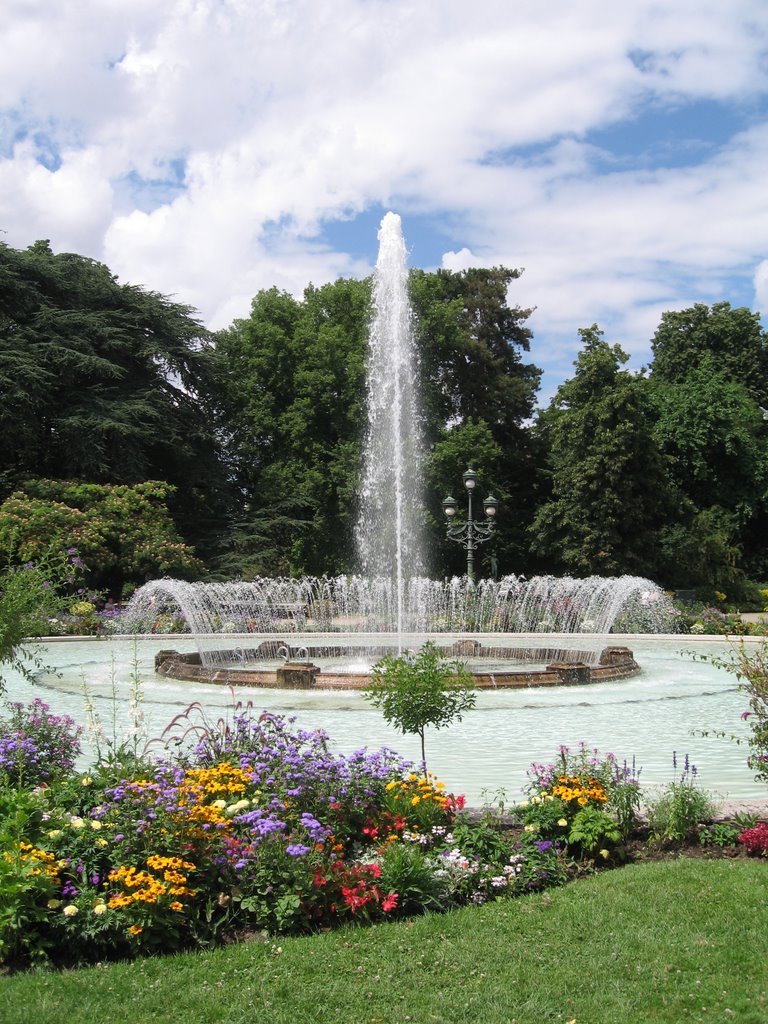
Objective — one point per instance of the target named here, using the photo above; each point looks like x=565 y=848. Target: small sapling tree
x=414 y=691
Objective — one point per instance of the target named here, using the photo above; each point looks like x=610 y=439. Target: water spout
x=389 y=530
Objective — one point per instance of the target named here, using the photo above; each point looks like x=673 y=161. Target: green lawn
x=673 y=941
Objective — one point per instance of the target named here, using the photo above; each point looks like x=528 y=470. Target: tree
x=104 y=382
x=470 y=340
x=609 y=491
x=293 y=411
x=710 y=379
x=122 y=534
x=712 y=433
x=479 y=395
x=732 y=339
x=414 y=691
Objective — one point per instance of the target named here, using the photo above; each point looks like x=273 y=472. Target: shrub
x=36 y=746
x=681 y=806
x=755 y=840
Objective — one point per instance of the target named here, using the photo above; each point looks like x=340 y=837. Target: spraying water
x=389 y=531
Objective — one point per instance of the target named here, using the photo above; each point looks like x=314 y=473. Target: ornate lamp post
x=471 y=532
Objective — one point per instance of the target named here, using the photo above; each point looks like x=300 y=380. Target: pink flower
x=745 y=715
x=389 y=902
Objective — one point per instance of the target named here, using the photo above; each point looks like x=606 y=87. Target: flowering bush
x=583 y=779
x=36 y=746
x=755 y=840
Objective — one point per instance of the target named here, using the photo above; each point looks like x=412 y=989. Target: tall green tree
x=609 y=490
x=710 y=379
x=731 y=339
x=292 y=412
x=104 y=382
x=479 y=393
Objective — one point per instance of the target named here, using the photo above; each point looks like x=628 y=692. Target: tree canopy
x=132 y=433
x=103 y=382
x=608 y=484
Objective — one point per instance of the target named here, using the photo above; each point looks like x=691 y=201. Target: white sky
x=618 y=151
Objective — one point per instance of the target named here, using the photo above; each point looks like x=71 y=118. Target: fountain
x=333 y=627
x=328 y=632
x=389 y=528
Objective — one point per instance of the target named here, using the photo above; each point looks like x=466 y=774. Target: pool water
x=651 y=717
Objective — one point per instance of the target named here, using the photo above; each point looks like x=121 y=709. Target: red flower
x=389 y=902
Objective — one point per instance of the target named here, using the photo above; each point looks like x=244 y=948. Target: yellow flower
x=176 y=905
x=70 y=910
x=531 y=828
x=605 y=854
x=86 y=780
x=76 y=822
x=54 y=904
x=96 y=825
x=135 y=929
x=415 y=800
x=54 y=833
x=562 y=823
x=99 y=909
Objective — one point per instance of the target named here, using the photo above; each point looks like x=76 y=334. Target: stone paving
x=730 y=808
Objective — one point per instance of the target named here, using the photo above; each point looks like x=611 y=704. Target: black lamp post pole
x=470 y=539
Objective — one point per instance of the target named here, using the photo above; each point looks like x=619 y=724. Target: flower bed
x=260 y=828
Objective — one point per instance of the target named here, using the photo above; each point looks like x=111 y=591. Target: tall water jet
x=389 y=530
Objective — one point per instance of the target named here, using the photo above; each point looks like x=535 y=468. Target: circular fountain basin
x=303 y=664
x=674 y=704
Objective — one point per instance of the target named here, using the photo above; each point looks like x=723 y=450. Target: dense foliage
x=120 y=532
x=254 y=435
